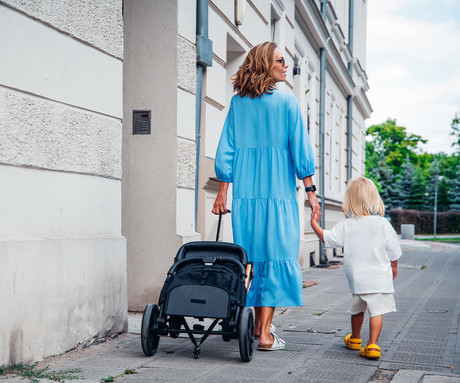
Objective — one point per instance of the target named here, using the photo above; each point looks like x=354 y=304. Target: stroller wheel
x=246 y=334
x=149 y=332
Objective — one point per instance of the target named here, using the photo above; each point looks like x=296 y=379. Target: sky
x=413 y=66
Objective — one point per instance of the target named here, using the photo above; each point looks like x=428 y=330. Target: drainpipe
x=350 y=98
x=322 y=115
x=203 y=59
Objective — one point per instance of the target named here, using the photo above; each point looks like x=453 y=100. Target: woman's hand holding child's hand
x=314 y=221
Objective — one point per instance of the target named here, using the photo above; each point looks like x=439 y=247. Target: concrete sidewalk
x=420 y=342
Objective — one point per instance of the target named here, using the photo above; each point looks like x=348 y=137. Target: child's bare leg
x=375 y=327
x=356 y=324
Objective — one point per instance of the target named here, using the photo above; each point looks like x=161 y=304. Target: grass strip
x=441 y=239
x=34 y=374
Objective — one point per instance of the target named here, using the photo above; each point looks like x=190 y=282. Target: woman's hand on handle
x=220 y=204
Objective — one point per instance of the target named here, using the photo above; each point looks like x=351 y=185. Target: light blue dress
x=264 y=145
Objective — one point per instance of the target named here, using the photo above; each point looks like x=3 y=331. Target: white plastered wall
x=63 y=274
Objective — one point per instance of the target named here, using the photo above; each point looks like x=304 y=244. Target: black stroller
x=207 y=280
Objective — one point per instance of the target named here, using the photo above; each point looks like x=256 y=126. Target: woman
x=263 y=146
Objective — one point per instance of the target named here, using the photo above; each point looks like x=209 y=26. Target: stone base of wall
x=307 y=247
x=57 y=293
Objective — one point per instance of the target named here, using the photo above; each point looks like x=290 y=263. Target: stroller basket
x=198 y=301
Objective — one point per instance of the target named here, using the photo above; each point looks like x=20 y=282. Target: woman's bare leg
x=257 y=322
x=266 y=316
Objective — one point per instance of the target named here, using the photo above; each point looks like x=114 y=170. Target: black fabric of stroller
x=203 y=290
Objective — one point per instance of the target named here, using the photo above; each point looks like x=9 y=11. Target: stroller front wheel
x=246 y=334
x=149 y=333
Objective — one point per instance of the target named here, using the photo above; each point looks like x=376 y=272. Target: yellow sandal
x=352 y=343
x=371 y=351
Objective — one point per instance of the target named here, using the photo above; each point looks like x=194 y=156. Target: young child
x=371 y=250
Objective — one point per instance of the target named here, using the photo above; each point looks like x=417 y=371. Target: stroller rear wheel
x=149 y=332
x=246 y=334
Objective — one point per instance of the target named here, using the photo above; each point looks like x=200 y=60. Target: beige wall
x=150 y=77
x=62 y=256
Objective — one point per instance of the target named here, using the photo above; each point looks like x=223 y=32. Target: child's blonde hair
x=362 y=198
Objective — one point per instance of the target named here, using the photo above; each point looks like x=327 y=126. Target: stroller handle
x=218 y=225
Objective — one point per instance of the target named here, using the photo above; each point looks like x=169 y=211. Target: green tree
x=445 y=167
x=417 y=198
x=444 y=196
x=389 y=191
x=455 y=126
x=394 y=142
x=405 y=184
x=454 y=192
x=388 y=149
x=412 y=187
x=434 y=172
x=373 y=161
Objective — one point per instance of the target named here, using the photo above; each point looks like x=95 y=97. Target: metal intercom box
x=141 y=121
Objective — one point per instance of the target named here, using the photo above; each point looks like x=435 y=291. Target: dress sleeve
x=392 y=246
x=223 y=164
x=299 y=142
x=334 y=237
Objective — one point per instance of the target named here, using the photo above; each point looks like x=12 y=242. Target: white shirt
x=369 y=243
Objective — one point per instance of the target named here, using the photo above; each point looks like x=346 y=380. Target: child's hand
x=394 y=269
x=314 y=217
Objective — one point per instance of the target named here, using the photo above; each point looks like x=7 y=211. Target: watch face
x=310 y=188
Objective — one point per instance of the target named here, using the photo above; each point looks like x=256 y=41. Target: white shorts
x=376 y=304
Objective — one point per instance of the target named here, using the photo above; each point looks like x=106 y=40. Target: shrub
x=447 y=222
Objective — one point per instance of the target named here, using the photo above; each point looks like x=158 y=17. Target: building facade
x=179 y=59
x=110 y=116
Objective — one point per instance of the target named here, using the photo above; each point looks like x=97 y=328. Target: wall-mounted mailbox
x=141 y=121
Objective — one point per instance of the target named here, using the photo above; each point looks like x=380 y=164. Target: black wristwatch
x=310 y=188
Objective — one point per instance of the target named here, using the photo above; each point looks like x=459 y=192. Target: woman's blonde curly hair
x=254 y=75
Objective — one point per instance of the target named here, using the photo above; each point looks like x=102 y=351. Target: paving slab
x=440 y=379
x=420 y=342
x=415 y=376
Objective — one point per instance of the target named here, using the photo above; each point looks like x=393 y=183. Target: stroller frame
x=183 y=297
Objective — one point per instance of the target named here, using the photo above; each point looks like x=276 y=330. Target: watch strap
x=311 y=188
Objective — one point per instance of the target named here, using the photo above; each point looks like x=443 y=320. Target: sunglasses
x=281 y=61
